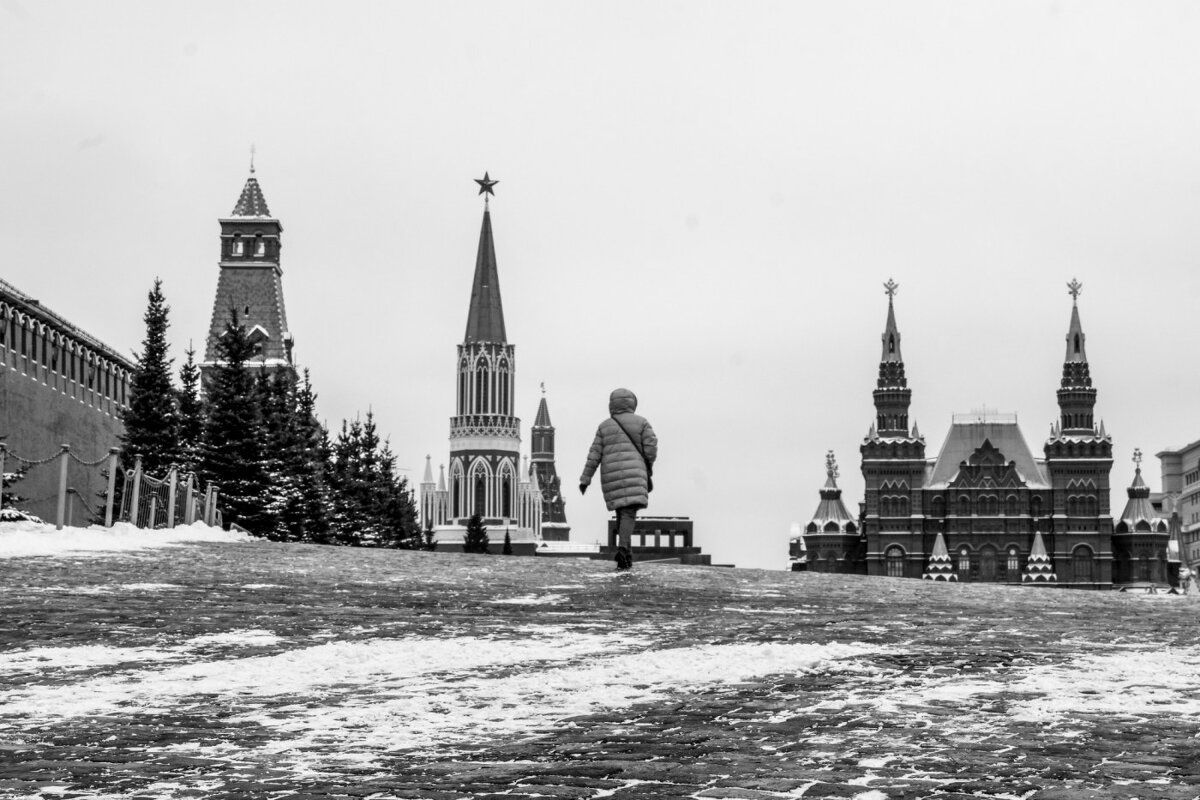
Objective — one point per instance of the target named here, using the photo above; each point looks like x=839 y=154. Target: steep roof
x=1139 y=508
x=251 y=203
x=1076 y=352
x=966 y=436
x=542 y=420
x=891 y=337
x=485 y=320
x=831 y=508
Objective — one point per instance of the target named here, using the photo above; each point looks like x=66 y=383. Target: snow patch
x=23 y=539
x=530 y=600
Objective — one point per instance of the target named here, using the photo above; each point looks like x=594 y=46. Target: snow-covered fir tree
x=232 y=452
x=191 y=412
x=475 y=540
x=152 y=417
x=371 y=506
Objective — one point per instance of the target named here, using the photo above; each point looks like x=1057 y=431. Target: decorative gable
x=987 y=468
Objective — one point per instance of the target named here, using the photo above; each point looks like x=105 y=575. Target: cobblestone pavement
x=267 y=671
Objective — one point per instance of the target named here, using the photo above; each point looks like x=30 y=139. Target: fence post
x=153 y=511
x=210 y=511
x=173 y=484
x=62 y=486
x=189 y=507
x=3 y=458
x=112 y=486
x=135 y=510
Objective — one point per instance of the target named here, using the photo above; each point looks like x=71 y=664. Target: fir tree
x=476 y=538
x=296 y=463
x=507 y=544
x=429 y=537
x=8 y=510
x=232 y=451
x=371 y=506
x=152 y=417
x=191 y=412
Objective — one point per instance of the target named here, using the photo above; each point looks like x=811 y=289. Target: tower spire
x=1076 y=395
x=892 y=395
x=485 y=319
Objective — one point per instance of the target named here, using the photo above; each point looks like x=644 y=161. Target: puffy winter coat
x=623 y=473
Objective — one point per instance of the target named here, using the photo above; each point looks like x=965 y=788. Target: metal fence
x=144 y=500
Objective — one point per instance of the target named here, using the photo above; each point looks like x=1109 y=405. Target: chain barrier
x=144 y=500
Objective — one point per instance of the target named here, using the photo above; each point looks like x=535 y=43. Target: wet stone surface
x=222 y=670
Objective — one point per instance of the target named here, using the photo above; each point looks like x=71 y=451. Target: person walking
x=624 y=449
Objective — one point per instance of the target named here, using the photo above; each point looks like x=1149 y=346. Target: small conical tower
x=485 y=436
x=940 y=567
x=1141 y=539
x=554 y=511
x=831 y=538
x=1039 y=570
x=251 y=283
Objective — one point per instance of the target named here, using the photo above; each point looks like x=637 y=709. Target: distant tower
x=485 y=436
x=893 y=467
x=1141 y=539
x=554 y=513
x=1078 y=462
x=831 y=539
x=251 y=283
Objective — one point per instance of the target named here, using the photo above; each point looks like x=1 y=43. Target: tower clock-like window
x=260 y=246
x=238 y=247
x=964 y=561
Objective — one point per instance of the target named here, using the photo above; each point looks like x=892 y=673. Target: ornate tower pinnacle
x=485 y=318
x=892 y=395
x=1076 y=396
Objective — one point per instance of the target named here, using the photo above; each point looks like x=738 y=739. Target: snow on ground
x=21 y=539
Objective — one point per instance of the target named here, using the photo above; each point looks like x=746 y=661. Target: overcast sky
x=697 y=201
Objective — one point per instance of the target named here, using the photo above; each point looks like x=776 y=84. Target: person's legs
x=626 y=518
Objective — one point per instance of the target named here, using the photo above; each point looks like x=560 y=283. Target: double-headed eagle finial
x=831 y=467
x=891 y=287
x=1074 y=288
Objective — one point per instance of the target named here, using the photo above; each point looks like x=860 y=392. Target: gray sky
x=698 y=201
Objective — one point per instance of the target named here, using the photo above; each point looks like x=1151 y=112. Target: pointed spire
x=940 y=567
x=251 y=202
x=1076 y=352
x=542 y=420
x=891 y=333
x=485 y=320
x=428 y=470
x=441 y=477
x=916 y=432
x=1038 y=569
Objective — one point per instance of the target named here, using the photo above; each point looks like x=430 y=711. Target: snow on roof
x=965 y=437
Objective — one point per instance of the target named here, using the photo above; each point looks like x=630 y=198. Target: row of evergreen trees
x=256 y=435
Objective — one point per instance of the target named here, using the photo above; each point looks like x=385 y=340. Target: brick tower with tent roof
x=250 y=283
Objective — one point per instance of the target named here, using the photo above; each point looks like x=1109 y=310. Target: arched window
x=902 y=506
x=480 y=495
x=481 y=389
x=1072 y=505
x=1035 y=506
x=1014 y=564
x=260 y=246
x=895 y=561
x=964 y=506
x=964 y=561
x=237 y=248
x=1010 y=506
x=506 y=497
x=939 y=506
x=885 y=506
